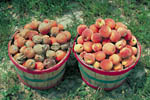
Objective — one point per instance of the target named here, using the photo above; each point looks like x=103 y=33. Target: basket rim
x=21 y=67
x=100 y=71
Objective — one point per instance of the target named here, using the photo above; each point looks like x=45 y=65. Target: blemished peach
x=48 y=63
x=29 y=43
x=22 y=49
x=87 y=46
x=13 y=49
x=106 y=41
x=105 y=31
x=29 y=52
x=128 y=61
x=68 y=34
x=80 y=40
x=133 y=41
x=53 y=40
x=55 y=46
x=19 y=42
x=96 y=37
x=110 y=22
x=20 y=58
x=82 y=54
x=39 y=58
x=30 y=64
x=61 y=27
x=120 y=44
x=125 y=52
x=134 y=49
x=78 y=48
x=96 y=65
x=106 y=65
x=34 y=24
x=118 y=67
x=89 y=58
x=128 y=36
x=122 y=31
x=115 y=36
x=61 y=38
x=54 y=31
x=44 y=28
x=100 y=55
x=39 y=65
x=81 y=28
x=99 y=22
x=30 y=34
x=60 y=55
x=115 y=58
x=109 y=48
x=46 y=39
x=86 y=34
x=94 y=28
x=119 y=24
x=96 y=47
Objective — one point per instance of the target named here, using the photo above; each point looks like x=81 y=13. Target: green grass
x=134 y=13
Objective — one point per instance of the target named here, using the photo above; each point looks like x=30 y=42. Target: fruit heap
x=40 y=45
x=107 y=45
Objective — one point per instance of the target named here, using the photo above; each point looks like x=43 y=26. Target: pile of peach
x=106 y=45
x=40 y=45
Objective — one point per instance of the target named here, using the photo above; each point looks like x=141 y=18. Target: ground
x=134 y=13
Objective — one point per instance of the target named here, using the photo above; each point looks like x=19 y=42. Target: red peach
x=22 y=49
x=68 y=34
x=115 y=58
x=29 y=64
x=133 y=41
x=96 y=47
x=60 y=55
x=118 y=67
x=80 y=40
x=86 y=34
x=96 y=38
x=122 y=31
x=20 y=42
x=99 y=22
x=100 y=55
x=94 y=28
x=115 y=36
x=89 y=58
x=31 y=33
x=120 y=44
x=52 y=23
x=105 y=31
x=53 y=40
x=39 y=66
x=27 y=26
x=105 y=41
x=128 y=61
x=61 y=27
x=34 y=24
x=29 y=43
x=125 y=52
x=82 y=54
x=23 y=33
x=29 y=52
x=46 y=20
x=54 y=31
x=106 y=65
x=44 y=28
x=96 y=65
x=87 y=46
x=16 y=36
x=119 y=24
x=128 y=36
x=81 y=28
x=46 y=39
x=61 y=38
x=78 y=48
x=109 y=48
x=110 y=22
x=134 y=49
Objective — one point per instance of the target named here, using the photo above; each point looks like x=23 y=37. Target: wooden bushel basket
x=40 y=79
x=98 y=78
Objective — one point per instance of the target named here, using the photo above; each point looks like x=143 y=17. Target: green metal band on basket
x=102 y=81
x=39 y=80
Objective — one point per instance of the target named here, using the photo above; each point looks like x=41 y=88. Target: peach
x=100 y=55
x=52 y=23
x=55 y=46
x=19 y=42
x=34 y=24
x=89 y=58
x=82 y=54
x=80 y=40
x=128 y=36
x=46 y=20
x=27 y=26
x=118 y=67
x=29 y=52
x=110 y=22
x=39 y=65
x=125 y=52
x=53 y=40
x=60 y=55
x=13 y=49
x=61 y=27
x=78 y=48
x=96 y=65
x=128 y=61
x=109 y=48
x=50 y=54
x=115 y=58
x=134 y=58
x=54 y=31
x=134 y=49
x=94 y=28
x=96 y=38
x=30 y=64
x=106 y=65
x=16 y=36
x=86 y=34
x=99 y=22
x=20 y=58
x=61 y=38
x=96 y=47
x=68 y=34
x=122 y=31
x=81 y=28
x=133 y=41
x=119 y=24
x=105 y=31
x=44 y=28
x=115 y=36
x=46 y=39
x=49 y=62
x=39 y=58
x=106 y=41
x=30 y=34
x=29 y=43
x=87 y=46
x=37 y=39
x=120 y=44
x=22 y=49
x=24 y=32
x=38 y=48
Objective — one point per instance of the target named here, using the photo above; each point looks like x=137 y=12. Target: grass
x=134 y=13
